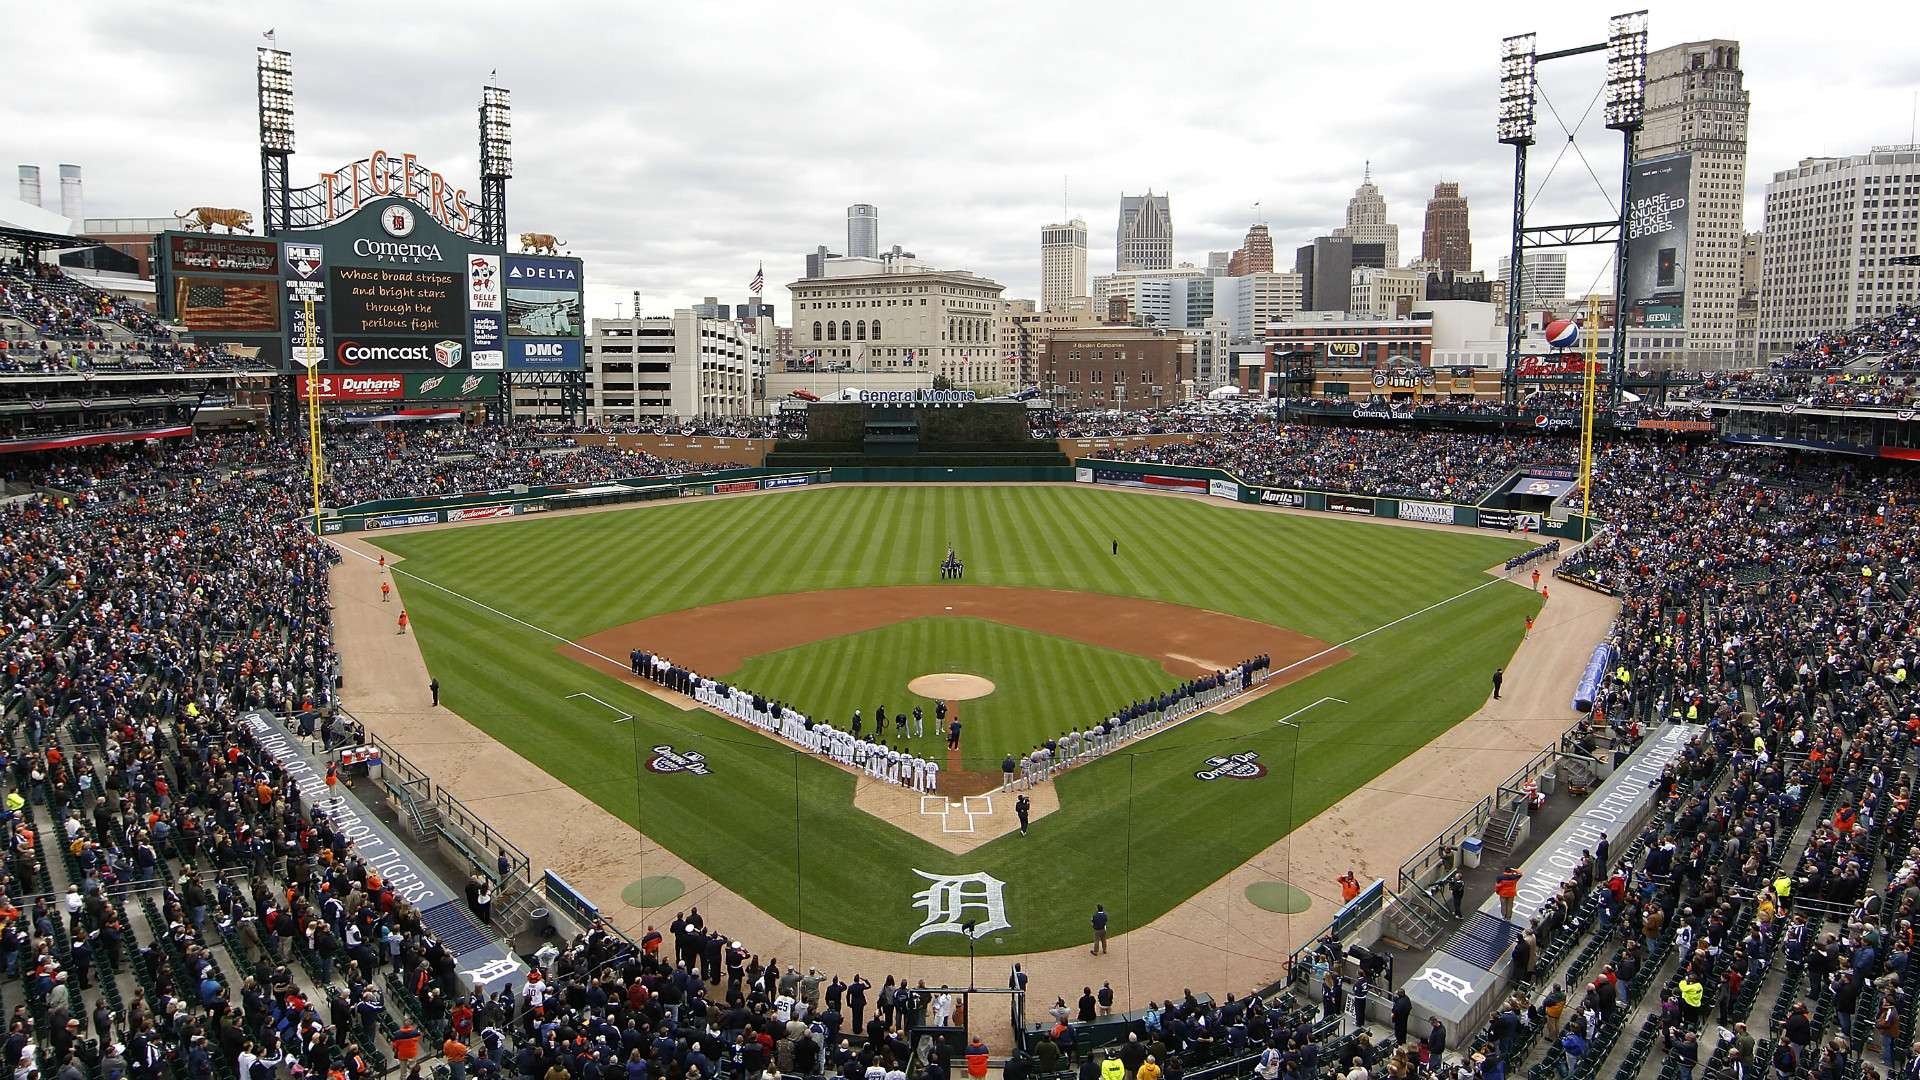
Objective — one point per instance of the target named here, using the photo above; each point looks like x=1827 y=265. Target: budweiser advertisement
x=342 y=387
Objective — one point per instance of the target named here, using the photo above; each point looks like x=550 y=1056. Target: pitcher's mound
x=949 y=686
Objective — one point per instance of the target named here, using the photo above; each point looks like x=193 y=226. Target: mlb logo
x=448 y=353
x=304 y=259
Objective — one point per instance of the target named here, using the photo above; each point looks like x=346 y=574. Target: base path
x=1215 y=940
x=1188 y=641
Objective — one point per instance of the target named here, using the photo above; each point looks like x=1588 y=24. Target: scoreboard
x=394 y=293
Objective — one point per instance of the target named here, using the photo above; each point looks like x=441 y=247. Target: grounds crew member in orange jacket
x=1506 y=886
x=1349 y=886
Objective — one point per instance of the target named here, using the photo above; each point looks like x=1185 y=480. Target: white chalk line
x=627 y=669
x=624 y=669
x=624 y=715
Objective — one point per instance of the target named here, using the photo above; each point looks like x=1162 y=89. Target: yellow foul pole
x=313 y=409
x=1591 y=362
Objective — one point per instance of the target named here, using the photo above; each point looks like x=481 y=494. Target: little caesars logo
x=1244 y=766
x=666 y=759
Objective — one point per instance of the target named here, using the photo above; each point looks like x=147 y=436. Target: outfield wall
x=1187 y=479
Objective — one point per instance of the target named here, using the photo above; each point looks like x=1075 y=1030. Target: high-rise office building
x=1833 y=227
x=1697 y=105
x=1144 y=238
x=1255 y=254
x=1326 y=270
x=1446 y=241
x=1063 y=263
x=1218 y=262
x=1367 y=220
x=1543 y=285
x=863 y=231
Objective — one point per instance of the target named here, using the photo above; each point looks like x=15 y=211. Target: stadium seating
x=150 y=593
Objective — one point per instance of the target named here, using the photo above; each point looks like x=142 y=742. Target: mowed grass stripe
x=767 y=814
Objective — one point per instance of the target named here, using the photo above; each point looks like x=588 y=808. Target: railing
x=1438 y=851
x=395 y=770
x=454 y=814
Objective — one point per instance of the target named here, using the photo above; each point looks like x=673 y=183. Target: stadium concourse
x=174 y=908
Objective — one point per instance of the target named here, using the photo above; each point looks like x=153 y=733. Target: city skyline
x=627 y=171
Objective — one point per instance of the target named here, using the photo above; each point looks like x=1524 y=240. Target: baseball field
x=829 y=599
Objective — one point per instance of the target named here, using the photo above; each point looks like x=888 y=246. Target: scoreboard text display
x=378 y=300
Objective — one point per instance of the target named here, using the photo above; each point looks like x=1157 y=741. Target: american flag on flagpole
x=759 y=280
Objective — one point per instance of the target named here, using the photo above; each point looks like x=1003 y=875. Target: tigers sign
x=381 y=174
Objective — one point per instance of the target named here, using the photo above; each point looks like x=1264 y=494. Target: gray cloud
x=677 y=147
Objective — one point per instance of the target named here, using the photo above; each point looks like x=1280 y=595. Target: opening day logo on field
x=1233 y=767
x=666 y=760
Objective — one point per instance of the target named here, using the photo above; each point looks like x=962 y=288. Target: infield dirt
x=1187 y=641
x=1215 y=940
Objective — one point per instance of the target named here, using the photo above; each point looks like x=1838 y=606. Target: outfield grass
x=1043 y=685
x=1136 y=832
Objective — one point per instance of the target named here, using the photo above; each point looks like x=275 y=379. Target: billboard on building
x=1658 y=225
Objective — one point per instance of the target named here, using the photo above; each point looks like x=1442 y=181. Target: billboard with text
x=1658 y=226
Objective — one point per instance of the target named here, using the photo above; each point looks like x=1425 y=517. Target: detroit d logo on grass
x=666 y=759
x=950 y=901
x=1233 y=767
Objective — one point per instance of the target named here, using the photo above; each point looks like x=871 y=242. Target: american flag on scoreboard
x=222 y=304
x=759 y=280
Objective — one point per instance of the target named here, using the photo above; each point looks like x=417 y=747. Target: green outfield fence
x=1193 y=480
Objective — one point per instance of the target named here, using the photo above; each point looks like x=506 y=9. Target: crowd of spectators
x=376 y=461
x=1872 y=389
x=1374 y=461
x=162 y=589
x=1891 y=342
x=71 y=327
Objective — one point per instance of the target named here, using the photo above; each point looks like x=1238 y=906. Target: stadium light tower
x=1518 y=90
x=496 y=162
x=1626 y=97
x=275 y=70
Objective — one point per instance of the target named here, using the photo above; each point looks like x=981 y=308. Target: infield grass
x=1043 y=685
x=1136 y=831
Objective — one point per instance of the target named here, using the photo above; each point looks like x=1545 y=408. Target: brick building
x=1117 y=367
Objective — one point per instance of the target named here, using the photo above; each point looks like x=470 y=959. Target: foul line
x=624 y=669
x=624 y=715
x=1287 y=720
x=1369 y=633
x=627 y=669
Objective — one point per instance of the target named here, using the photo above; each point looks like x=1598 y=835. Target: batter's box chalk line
x=946 y=810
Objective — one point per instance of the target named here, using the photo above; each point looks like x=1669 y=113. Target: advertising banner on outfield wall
x=480 y=513
x=1437 y=513
x=729 y=487
x=1359 y=505
x=1149 y=480
x=1224 y=489
x=1272 y=497
x=1508 y=520
x=1083 y=476
x=773 y=482
x=401 y=521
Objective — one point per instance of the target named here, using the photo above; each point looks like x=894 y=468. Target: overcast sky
x=676 y=147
